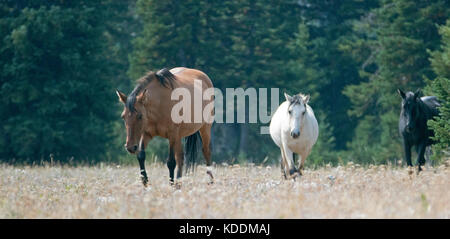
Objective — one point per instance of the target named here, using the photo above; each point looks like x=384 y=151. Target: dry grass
x=239 y=192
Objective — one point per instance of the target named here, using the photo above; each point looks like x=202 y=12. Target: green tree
x=331 y=28
x=440 y=87
x=323 y=151
x=56 y=80
x=399 y=34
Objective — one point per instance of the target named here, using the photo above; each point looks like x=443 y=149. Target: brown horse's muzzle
x=131 y=149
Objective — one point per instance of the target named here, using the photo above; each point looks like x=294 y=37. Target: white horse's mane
x=296 y=99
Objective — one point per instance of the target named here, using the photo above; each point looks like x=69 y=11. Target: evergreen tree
x=330 y=24
x=404 y=31
x=56 y=80
x=440 y=87
x=323 y=151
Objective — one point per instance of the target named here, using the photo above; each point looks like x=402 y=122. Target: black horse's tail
x=191 y=150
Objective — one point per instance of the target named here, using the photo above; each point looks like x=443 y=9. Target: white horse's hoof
x=294 y=175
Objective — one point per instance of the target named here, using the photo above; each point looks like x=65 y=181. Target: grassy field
x=238 y=192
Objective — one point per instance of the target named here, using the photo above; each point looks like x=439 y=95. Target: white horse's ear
x=306 y=99
x=288 y=97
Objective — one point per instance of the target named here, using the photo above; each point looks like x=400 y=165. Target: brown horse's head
x=134 y=116
x=135 y=113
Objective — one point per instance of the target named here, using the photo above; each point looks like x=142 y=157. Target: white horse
x=294 y=129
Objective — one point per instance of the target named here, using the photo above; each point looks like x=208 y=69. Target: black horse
x=416 y=111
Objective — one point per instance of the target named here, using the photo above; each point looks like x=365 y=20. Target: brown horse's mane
x=165 y=78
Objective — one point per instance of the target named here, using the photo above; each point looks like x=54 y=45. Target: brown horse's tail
x=191 y=150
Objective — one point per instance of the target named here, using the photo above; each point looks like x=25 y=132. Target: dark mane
x=165 y=78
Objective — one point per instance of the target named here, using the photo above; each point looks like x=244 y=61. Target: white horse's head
x=296 y=112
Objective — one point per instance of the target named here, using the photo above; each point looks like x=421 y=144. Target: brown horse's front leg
x=141 y=158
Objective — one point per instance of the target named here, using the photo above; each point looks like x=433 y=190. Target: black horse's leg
x=428 y=154
x=171 y=164
x=420 y=154
x=407 y=148
x=141 y=158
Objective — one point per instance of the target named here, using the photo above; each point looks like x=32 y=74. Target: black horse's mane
x=165 y=78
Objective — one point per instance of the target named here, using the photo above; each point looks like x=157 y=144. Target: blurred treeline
x=61 y=61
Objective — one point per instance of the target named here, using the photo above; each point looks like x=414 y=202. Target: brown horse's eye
x=139 y=116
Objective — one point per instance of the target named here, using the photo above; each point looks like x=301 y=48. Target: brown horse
x=148 y=113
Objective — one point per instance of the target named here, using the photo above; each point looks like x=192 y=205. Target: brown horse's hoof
x=178 y=185
x=210 y=174
x=145 y=181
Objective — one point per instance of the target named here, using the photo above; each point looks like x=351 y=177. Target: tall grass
x=115 y=191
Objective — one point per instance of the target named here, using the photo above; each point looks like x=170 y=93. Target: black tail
x=191 y=150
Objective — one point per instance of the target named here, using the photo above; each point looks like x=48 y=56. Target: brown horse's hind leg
x=205 y=134
x=179 y=158
x=171 y=163
x=175 y=160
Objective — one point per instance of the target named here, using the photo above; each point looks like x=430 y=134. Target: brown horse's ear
x=401 y=93
x=122 y=96
x=142 y=96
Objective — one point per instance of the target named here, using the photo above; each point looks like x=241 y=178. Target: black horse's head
x=410 y=108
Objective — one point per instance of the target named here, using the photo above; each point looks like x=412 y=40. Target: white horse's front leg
x=289 y=162
x=303 y=157
x=283 y=164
